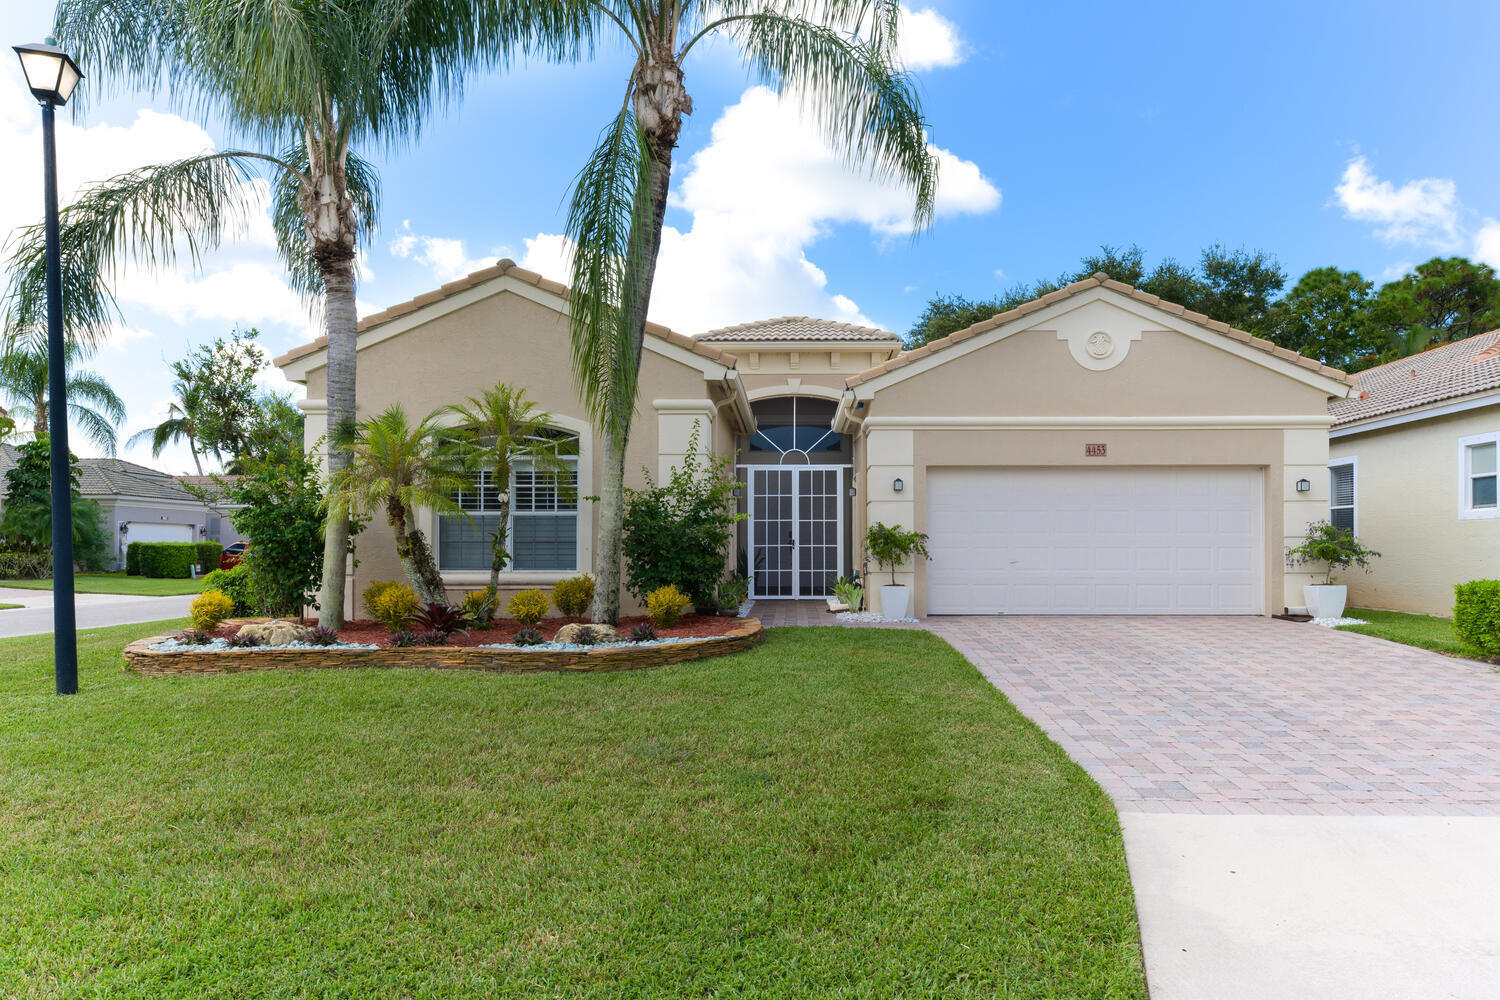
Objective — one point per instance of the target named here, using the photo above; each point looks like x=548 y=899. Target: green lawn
x=838 y=813
x=116 y=583
x=7 y=607
x=1425 y=631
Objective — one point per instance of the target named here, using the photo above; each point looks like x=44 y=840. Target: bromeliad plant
x=1336 y=548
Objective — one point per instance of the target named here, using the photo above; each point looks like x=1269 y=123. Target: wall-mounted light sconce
x=202 y=531
x=1303 y=486
x=739 y=492
x=898 y=486
x=853 y=491
x=124 y=527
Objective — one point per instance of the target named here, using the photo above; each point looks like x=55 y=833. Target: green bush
x=133 y=559
x=890 y=546
x=1476 y=614
x=573 y=596
x=167 y=560
x=237 y=583
x=395 y=606
x=480 y=605
x=25 y=565
x=281 y=517
x=371 y=596
x=208 y=556
x=1335 y=547
x=529 y=606
x=666 y=605
x=209 y=609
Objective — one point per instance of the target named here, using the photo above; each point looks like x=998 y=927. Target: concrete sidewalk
x=91 y=610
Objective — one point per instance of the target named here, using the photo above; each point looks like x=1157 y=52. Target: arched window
x=795 y=427
x=543 y=530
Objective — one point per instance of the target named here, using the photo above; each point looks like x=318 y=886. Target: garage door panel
x=1102 y=541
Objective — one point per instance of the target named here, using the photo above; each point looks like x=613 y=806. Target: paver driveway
x=1250 y=715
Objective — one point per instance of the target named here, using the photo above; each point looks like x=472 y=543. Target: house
x=144 y=505
x=1097 y=450
x=1412 y=464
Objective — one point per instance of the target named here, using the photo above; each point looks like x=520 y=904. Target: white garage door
x=155 y=531
x=1095 y=541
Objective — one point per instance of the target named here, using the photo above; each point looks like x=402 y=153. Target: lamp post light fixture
x=52 y=74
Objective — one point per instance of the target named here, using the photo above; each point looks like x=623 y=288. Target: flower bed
x=480 y=650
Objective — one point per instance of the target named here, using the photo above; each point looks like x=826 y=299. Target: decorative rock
x=275 y=632
x=568 y=634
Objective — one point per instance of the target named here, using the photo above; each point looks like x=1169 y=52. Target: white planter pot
x=1326 y=600
x=894 y=601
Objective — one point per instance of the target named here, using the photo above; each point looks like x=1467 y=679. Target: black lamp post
x=52 y=74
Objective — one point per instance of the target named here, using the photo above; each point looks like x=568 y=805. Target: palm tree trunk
x=416 y=558
x=501 y=541
x=39 y=417
x=193 y=447
x=342 y=324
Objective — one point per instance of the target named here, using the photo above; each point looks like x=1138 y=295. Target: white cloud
x=1423 y=211
x=446 y=258
x=1487 y=243
x=927 y=40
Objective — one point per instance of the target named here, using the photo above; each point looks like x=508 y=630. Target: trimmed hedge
x=171 y=560
x=1476 y=614
x=133 y=559
x=208 y=556
x=25 y=565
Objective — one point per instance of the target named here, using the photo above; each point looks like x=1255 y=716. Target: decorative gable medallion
x=1099 y=334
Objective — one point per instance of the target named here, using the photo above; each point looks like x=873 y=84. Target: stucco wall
x=1407 y=509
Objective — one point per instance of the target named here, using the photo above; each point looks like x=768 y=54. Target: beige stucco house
x=1412 y=461
x=1095 y=451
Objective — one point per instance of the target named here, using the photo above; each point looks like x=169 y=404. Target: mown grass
x=7 y=607
x=116 y=583
x=1425 y=631
x=838 y=813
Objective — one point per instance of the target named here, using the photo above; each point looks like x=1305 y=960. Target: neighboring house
x=1095 y=451
x=1412 y=460
x=144 y=505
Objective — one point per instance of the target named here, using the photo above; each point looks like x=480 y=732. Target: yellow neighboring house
x=1412 y=466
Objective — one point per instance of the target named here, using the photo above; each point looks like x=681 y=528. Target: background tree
x=93 y=406
x=224 y=401
x=836 y=56
x=275 y=433
x=1326 y=316
x=177 y=426
x=26 y=524
x=280 y=512
x=1452 y=297
x=398 y=467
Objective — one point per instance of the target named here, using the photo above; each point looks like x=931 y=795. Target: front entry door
x=796 y=530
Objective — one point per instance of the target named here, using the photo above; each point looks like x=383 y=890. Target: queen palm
x=504 y=429
x=398 y=467
x=178 y=426
x=836 y=56
x=93 y=406
x=307 y=81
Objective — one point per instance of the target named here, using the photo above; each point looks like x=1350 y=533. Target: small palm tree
x=397 y=467
x=93 y=405
x=1411 y=341
x=502 y=429
x=178 y=426
x=837 y=56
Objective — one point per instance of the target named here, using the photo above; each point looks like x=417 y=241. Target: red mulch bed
x=364 y=631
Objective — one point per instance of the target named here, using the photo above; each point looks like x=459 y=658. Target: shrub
x=1476 y=614
x=528 y=637
x=167 y=560
x=1336 y=548
x=237 y=583
x=25 y=565
x=208 y=555
x=574 y=596
x=850 y=593
x=480 y=605
x=209 y=609
x=280 y=515
x=133 y=559
x=26 y=519
x=891 y=545
x=732 y=593
x=321 y=636
x=373 y=591
x=441 y=618
x=678 y=532
x=643 y=633
x=395 y=606
x=243 y=642
x=403 y=638
x=585 y=636
x=529 y=606
x=666 y=605
x=433 y=637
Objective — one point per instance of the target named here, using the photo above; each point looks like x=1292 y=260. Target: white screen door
x=796 y=530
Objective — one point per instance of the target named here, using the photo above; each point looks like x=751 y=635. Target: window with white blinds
x=1341 y=495
x=543 y=530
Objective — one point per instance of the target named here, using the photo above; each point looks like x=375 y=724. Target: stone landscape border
x=141 y=658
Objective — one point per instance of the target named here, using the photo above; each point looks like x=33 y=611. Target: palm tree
x=93 y=405
x=308 y=81
x=178 y=425
x=503 y=428
x=398 y=467
x=837 y=56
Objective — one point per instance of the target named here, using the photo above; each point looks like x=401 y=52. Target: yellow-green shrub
x=573 y=597
x=373 y=591
x=529 y=606
x=394 y=606
x=480 y=605
x=209 y=609
x=666 y=605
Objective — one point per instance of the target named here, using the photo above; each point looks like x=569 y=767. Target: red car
x=232 y=556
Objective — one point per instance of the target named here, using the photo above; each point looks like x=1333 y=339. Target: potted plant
x=890 y=546
x=1337 y=549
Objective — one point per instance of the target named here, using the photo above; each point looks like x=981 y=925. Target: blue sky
x=1357 y=135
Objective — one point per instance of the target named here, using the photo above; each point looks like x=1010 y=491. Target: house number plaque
x=1095 y=451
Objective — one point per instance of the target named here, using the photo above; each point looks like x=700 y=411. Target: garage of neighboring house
x=1097 y=451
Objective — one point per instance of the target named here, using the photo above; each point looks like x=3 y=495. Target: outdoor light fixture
x=124 y=527
x=898 y=486
x=1303 y=486
x=52 y=74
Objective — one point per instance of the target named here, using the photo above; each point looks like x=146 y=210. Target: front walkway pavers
x=1307 y=813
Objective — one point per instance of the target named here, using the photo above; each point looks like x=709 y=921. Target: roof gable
x=1453 y=371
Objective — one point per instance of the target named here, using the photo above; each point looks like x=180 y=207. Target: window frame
x=1352 y=462
x=577 y=513
x=1466 y=509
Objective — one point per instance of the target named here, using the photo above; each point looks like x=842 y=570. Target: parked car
x=233 y=555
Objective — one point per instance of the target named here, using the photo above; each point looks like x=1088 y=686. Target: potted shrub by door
x=1337 y=549
x=890 y=546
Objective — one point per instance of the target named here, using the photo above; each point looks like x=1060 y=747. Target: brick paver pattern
x=1249 y=715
